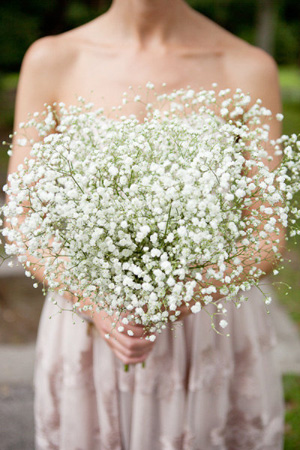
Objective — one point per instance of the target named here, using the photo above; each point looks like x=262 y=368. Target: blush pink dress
x=198 y=391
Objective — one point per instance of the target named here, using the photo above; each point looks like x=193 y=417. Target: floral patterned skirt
x=198 y=391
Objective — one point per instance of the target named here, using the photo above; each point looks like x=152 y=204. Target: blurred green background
x=270 y=24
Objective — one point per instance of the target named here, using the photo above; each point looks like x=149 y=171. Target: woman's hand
x=129 y=349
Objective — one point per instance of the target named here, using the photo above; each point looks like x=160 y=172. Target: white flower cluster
x=142 y=218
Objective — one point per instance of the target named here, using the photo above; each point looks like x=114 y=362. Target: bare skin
x=138 y=41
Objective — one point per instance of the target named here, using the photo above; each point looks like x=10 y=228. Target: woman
x=199 y=391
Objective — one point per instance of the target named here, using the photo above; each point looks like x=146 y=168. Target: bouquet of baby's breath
x=142 y=218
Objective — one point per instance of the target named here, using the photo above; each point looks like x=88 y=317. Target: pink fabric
x=199 y=390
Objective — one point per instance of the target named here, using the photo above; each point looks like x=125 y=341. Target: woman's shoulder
x=249 y=67
x=49 y=59
x=50 y=52
x=240 y=57
x=247 y=60
x=60 y=48
x=45 y=66
x=255 y=72
x=244 y=64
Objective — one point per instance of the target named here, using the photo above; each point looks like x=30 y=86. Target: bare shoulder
x=250 y=63
x=42 y=50
x=244 y=66
x=249 y=68
x=254 y=71
x=51 y=53
x=55 y=55
x=44 y=65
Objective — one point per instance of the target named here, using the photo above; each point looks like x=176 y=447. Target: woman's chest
x=103 y=78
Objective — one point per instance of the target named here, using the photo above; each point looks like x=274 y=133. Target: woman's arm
x=36 y=87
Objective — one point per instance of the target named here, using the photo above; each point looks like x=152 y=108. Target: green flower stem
x=126 y=366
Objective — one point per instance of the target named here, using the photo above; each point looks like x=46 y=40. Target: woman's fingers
x=132 y=346
x=129 y=349
x=130 y=360
x=129 y=352
x=111 y=323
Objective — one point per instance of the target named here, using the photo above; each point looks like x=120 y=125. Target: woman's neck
x=146 y=22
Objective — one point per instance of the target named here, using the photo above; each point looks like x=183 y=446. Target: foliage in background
x=291 y=385
x=19 y=27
